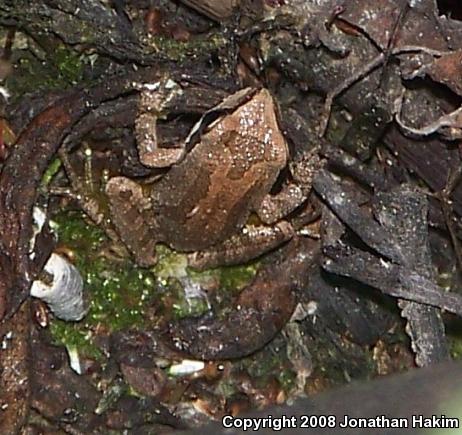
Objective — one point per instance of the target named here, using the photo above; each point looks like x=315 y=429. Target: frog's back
x=210 y=194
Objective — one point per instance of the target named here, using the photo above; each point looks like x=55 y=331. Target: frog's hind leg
x=273 y=208
x=276 y=207
x=129 y=210
x=250 y=243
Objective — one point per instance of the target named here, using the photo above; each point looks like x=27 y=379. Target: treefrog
x=203 y=202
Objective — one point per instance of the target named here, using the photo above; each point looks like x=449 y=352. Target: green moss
x=455 y=345
x=69 y=65
x=68 y=335
x=118 y=291
x=170 y=264
x=286 y=378
x=118 y=296
x=180 y=51
x=77 y=234
x=60 y=69
x=267 y=365
x=181 y=284
x=235 y=278
x=261 y=368
x=456 y=348
x=51 y=171
x=186 y=299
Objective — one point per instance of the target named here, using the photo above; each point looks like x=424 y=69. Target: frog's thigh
x=242 y=247
x=128 y=208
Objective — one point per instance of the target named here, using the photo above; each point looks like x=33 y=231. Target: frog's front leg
x=293 y=193
x=130 y=212
x=153 y=101
x=242 y=247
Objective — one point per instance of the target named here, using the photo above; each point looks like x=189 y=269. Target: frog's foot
x=273 y=208
x=243 y=247
x=129 y=210
x=276 y=207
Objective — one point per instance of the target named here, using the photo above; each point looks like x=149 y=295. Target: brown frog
x=205 y=199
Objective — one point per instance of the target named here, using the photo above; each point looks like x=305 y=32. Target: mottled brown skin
x=227 y=175
x=208 y=196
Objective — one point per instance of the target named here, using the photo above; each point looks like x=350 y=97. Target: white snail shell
x=64 y=295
